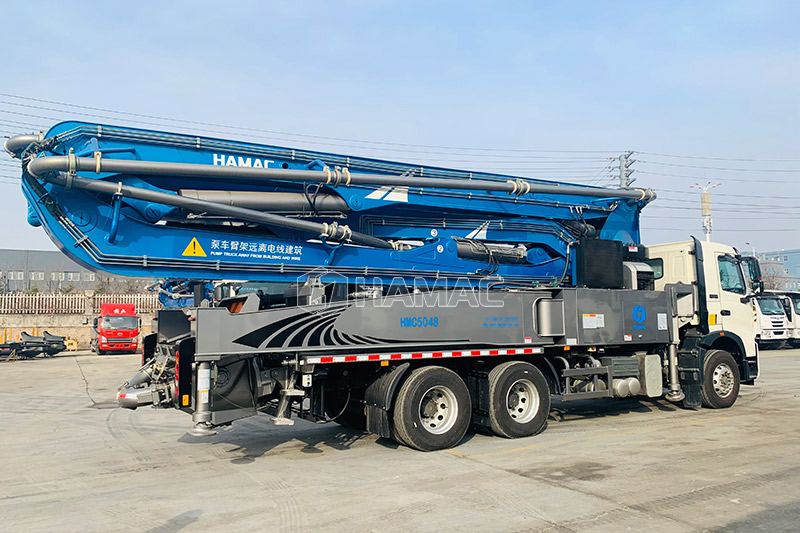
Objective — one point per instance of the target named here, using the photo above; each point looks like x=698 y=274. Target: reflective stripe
x=324 y=359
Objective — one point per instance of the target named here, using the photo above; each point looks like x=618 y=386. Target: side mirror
x=758 y=288
x=753 y=268
x=94 y=323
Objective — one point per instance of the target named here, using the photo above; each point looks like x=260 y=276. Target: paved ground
x=70 y=460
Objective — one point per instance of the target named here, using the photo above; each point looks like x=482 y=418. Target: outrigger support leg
x=202 y=414
x=675 y=393
x=283 y=414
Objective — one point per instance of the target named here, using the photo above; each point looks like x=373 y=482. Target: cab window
x=730 y=275
x=657 y=264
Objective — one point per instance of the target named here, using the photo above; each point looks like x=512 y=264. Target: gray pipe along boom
x=332 y=231
x=292 y=202
x=42 y=165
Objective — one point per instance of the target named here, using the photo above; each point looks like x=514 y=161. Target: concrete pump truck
x=406 y=300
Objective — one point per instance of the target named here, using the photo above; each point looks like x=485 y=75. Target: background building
x=781 y=269
x=43 y=271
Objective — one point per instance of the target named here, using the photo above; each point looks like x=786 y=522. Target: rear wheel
x=720 y=380
x=519 y=400
x=432 y=410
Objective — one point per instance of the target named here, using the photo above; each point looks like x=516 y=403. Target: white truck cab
x=773 y=324
x=721 y=309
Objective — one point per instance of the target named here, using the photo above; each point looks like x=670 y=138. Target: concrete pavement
x=71 y=461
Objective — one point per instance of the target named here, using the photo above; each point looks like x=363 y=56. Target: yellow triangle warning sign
x=193 y=249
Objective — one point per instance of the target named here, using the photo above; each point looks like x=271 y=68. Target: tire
x=519 y=400
x=353 y=415
x=720 y=380
x=432 y=410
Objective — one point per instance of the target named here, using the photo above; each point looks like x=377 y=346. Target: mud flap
x=478 y=384
x=691 y=358
x=149 y=343
x=184 y=375
x=378 y=400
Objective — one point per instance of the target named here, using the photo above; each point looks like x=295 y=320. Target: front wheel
x=720 y=380
x=432 y=410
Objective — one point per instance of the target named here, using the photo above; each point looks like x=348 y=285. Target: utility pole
x=625 y=170
x=705 y=205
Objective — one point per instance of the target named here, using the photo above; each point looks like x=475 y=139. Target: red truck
x=116 y=329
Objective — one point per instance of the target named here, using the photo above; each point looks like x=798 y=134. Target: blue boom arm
x=153 y=204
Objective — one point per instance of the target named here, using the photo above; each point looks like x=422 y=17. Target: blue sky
x=685 y=78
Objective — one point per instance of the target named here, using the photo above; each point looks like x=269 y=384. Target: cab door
x=736 y=313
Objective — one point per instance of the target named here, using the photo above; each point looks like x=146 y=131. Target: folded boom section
x=148 y=203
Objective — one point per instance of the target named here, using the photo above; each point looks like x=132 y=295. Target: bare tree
x=104 y=285
x=132 y=286
x=774 y=275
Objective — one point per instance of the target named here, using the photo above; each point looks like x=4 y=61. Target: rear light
x=177 y=366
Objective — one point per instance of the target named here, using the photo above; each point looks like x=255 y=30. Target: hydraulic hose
x=331 y=231
x=42 y=165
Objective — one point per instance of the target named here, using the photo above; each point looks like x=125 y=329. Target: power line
x=743 y=210
x=717 y=158
x=271 y=138
x=724 y=178
x=738 y=217
x=386 y=143
x=724 y=229
x=273 y=132
x=732 y=204
x=18 y=124
x=661 y=163
x=782 y=197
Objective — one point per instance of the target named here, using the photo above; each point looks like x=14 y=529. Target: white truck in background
x=772 y=324
x=791 y=306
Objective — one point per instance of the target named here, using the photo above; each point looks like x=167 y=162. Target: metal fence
x=70 y=304
x=145 y=303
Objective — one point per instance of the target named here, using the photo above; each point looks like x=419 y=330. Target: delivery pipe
x=331 y=231
x=43 y=165
x=272 y=201
x=17 y=144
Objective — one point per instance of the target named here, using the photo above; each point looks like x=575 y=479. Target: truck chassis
x=443 y=362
